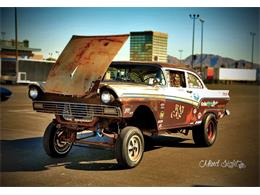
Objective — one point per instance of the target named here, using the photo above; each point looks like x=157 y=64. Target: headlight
x=33 y=93
x=106 y=97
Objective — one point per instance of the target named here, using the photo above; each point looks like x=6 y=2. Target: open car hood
x=82 y=64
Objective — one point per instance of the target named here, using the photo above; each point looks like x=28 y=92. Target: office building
x=148 y=46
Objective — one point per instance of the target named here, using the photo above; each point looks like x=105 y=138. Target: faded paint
x=82 y=63
x=177 y=112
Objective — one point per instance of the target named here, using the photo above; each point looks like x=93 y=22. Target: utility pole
x=253 y=42
x=2 y=43
x=16 y=43
x=193 y=17
x=201 y=48
x=180 y=50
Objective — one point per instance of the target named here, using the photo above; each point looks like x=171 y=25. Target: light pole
x=253 y=41
x=16 y=42
x=201 y=48
x=193 y=17
x=180 y=50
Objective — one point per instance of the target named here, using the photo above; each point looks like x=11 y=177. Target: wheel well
x=144 y=119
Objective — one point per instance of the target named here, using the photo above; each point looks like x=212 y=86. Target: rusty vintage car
x=122 y=102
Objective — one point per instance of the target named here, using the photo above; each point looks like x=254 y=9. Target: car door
x=178 y=105
x=195 y=90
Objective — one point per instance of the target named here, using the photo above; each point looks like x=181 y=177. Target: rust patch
x=82 y=64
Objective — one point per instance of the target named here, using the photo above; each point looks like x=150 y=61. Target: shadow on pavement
x=28 y=155
x=169 y=141
x=93 y=166
x=199 y=185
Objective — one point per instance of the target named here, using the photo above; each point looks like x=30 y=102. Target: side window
x=151 y=76
x=177 y=79
x=194 y=82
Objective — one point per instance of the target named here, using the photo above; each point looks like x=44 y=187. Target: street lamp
x=16 y=42
x=193 y=17
x=201 y=48
x=180 y=50
x=253 y=41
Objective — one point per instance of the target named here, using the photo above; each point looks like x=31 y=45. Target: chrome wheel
x=61 y=145
x=57 y=142
x=129 y=147
x=134 y=146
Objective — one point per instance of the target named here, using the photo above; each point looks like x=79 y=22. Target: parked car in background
x=5 y=93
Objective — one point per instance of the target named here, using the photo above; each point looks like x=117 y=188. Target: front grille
x=76 y=110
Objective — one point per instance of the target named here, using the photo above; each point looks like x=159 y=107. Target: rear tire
x=53 y=144
x=205 y=134
x=129 y=147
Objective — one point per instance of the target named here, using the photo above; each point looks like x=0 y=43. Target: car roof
x=158 y=64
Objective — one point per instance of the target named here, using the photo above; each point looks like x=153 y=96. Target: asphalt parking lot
x=173 y=161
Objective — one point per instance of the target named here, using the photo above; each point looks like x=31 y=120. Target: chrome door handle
x=189 y=91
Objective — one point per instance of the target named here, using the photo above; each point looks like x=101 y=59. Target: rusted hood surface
x=82 y=64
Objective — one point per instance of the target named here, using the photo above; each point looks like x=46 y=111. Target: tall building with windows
x=148 y=46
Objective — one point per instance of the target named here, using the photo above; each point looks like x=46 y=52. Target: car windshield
x=143 y=74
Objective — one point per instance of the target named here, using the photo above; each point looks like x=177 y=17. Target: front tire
x=129 y=147
x=54 y=143
x=205 y=134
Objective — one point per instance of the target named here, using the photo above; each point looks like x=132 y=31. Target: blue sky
x=226 y=30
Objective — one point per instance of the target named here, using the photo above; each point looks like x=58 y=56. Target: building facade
x=8 y=66
x=148 y=46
